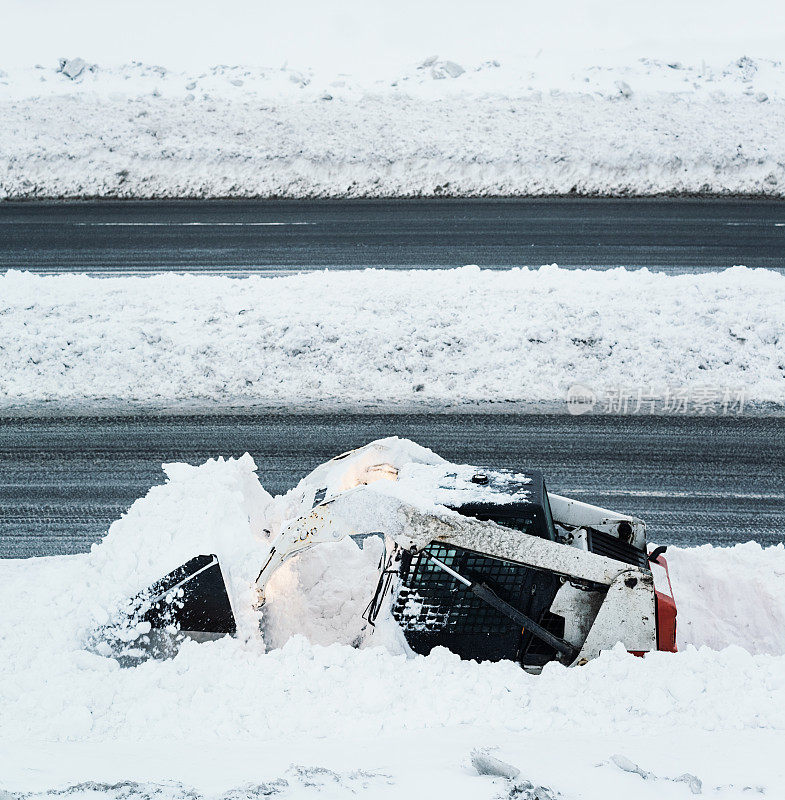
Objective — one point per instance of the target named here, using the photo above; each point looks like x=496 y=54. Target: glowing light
x=361 y=475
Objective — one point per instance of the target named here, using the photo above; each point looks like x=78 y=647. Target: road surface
x=278 y=237
x=693 y=479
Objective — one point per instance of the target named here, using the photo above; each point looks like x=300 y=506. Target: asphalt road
x=675 y=235
x=693 y=479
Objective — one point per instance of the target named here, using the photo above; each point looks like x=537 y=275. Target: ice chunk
x=298 y=78
x=488 y=765
x=72 y=67
x=624 y=763
x=452 y=69
x=446 y=69
x=695 y=783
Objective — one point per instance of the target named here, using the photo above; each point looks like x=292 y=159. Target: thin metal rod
x=449 y=571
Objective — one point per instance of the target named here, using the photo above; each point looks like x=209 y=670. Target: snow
x=724 y=597
x=299 y=704
x=219 y=507
x=361 y=102
x=414 y=474
x=231 y=142
x=400 y=99
x=392 y=340
x=382 y=458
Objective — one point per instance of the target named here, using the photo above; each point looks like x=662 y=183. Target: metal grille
x=432 y=600
x=540 y=650
x=435 y=609
x=604 y=544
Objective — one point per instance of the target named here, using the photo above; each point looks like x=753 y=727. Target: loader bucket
x=191 y=601
x=192 y=597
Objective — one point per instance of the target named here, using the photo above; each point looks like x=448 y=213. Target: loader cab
x=450 y=616
x=514 y=500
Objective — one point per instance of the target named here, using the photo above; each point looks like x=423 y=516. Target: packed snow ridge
x=295 y=687
x=395 y=340
x=430 y=128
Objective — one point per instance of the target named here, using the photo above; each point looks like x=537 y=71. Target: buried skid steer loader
x=487 y=563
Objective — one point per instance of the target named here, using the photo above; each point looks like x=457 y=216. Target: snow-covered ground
x=349 y=98
x=395 y=340
x=266 y=714
x=371 y=99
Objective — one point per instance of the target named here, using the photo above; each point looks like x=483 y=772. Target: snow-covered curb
x=434 y=129
x=390 y=340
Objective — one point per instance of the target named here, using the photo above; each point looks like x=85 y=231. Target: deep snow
x=393 y=340
x=241 y=711
x=364 y=101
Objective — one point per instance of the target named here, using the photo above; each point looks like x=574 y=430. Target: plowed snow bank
x=390 y=339
x=730 y=596
x=520 y=125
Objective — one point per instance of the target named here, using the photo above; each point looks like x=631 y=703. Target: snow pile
x=219 y=507
x=322 y=594
x=382 y=710
x=730 y=596
x=391 y=99
x=382 y=458
x=389 y=340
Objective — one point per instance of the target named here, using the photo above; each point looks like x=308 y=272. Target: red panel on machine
x=665 y=612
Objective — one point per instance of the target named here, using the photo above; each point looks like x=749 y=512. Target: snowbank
x=391 y=340
x=372 y=99
x=241 y=133
x=730 y=596
x=366 y=709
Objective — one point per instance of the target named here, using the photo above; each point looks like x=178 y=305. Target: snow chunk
x=446 y=69
x=624 y=88
x=72 y=67
x=486 y=764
